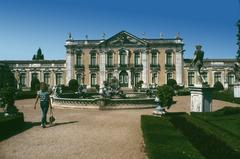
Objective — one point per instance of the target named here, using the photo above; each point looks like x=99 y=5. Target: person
x=45 y=102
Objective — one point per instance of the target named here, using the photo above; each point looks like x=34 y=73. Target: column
x=145 y=69
x=102 y=69
x=179 y=67
x=69 y=66
x=129 y=78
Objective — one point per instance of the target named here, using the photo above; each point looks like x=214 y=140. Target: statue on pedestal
x=198 y=63
x=237 y=72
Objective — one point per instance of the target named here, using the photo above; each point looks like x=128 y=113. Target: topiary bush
x=73 y=85
x=165 y=94
x=218 y=86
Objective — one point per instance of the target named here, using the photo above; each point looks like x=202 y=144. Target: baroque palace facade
x=128 y=58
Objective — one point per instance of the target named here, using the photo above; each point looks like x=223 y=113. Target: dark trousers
x=44 y=107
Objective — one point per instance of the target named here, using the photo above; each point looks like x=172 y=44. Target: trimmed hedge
x=25 y=95
x=226 y=95
x=164 y=141
x=203 y=137
x=9 y=124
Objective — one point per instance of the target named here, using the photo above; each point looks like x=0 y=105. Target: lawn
x=164 y=141
x=200 y=135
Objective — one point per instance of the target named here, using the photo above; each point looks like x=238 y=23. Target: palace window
x=190 y=78
x=110 y=59
x=137 y=58
x=59 y=78
x=169 y=76
x=154 y=78
x=79 y=59
x=230 y=78
x=169 y=58
x=93 y=59
x=217 y=77
x=154 y=58
x=93 y=79
x=23 y=79
x=123 y=79
x=79 y=79
x=46 y=78
x=109 y=77
x=34 y=75
x=123 y=58
x=137 y=78
x=205 y=76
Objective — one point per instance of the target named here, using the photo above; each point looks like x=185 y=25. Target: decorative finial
x=161 y=35
x=86 y=36
x=70 y=36
x=178 y=35
x=144 y=35
x=104 y=35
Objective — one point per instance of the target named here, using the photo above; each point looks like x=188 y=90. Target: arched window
x=109 y=77
x=123 y=79
x=93 y=79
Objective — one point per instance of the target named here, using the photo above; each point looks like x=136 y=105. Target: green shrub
x=73 y=85
x=163 y=141
x=218 y=86
x=165 y=94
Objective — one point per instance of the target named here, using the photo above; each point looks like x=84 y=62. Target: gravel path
x=84 y=134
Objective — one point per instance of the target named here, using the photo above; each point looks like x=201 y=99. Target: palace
x=126 y=57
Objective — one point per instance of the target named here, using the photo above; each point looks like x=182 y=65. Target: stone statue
x=237 y=72
x=198 y=62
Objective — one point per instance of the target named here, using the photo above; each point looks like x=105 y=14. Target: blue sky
x=26 y=25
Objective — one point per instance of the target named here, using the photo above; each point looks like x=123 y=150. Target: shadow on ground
x=29 y=125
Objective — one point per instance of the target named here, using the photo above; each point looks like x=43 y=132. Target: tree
x=165 y=94
x=218 y=86
x=172 y=83
x=238 y=42
x=7 y=89
x=39 y=55
x=73 y=85
x=35 y=84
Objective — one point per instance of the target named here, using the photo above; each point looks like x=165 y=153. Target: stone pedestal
x=237 y=90
x=201 y=99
